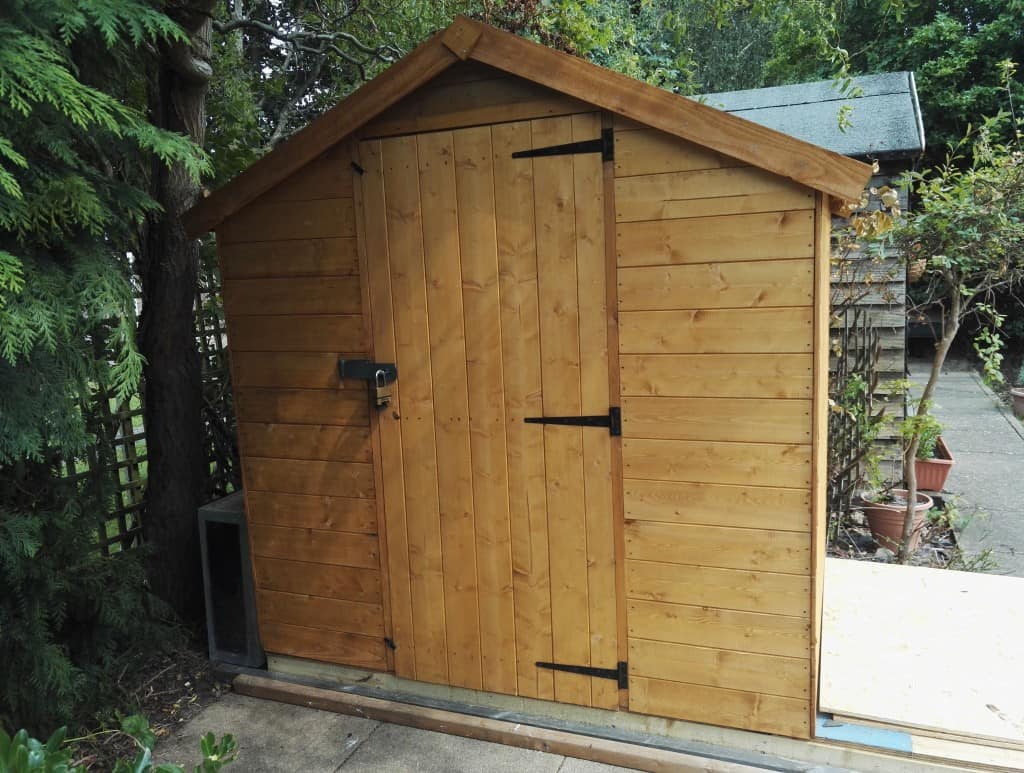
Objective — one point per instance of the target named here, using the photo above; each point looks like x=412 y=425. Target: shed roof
x=886 y=115
x=464 y=39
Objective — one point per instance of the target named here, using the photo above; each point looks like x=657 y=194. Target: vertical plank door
x=488 y=288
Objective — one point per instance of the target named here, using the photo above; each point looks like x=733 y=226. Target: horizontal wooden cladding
x=764 y=550
x=707 y=586
x=315 y=546
x=716 y=331
x=750 y=284
x=717 y=706
x=294 y=257
x=719 y=628
x=761 y=236
x=302 y=333
x=327 y=177
x=741 y=506
x=292 y=295
x=319 y=612
x=712 y=418
x=716 y=375
x=330 y=647
x=752 y=464
x=707 y=192
x=302 y=406
x=306 y=441
x=295 y=370
x=640 y=150
x=291 y=476
x=472 y=103
x=312 y=512
x=336 y=582
x=746 y=671
x=278 y=220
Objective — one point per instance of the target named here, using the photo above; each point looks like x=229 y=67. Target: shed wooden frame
x=681 y=279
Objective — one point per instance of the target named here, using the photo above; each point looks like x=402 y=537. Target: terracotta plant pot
x=1017 y=393
x=932 y=473
x=886 y=520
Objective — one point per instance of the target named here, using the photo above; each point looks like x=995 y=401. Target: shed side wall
x=716 y=307
x=292 y=299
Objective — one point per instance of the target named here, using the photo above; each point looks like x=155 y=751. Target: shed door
x=487 y=284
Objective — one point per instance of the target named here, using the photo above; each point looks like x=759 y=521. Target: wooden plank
x=465 y=72
x=591 y=276
x=313 y=512
x=765 y=674
x=477 y=103
x=716 y=331
x=481 y=304
x=588 y=747
x=763 y=550
x=292 y=295
x=295 y=257
x=302 y=406
x=334 y=333
x=280 y=220
x=705 y=586
x=704 y=503
x=345 y=648
x=560 y=369
x=768 y=376
x=306 y=441
x=327 y=177
x=429 y=59
x=455 y=479
x=291 y=476
x=753 y=464
x=295 y=370
x=318 y=612
x=387 y=427
x=336 y=582
x=521 y=370
x=755 y=284
x=412 y=351
x=686 y=194
x=641 y=150
x=719 y=628
x=712 y=418
x=760 y=236
x=713 y=705
x=317 y=546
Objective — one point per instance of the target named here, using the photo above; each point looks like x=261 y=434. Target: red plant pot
x=886 y=520
x=932 y=473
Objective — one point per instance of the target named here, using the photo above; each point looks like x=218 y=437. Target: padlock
x=381 y=390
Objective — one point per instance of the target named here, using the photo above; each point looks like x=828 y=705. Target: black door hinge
x=619 y=674
x=389 y=644
x=605 y=145
x=612 y=420
x=368 y=370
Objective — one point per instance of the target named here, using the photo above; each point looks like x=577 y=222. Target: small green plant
x=926 y=428
x=24 y=754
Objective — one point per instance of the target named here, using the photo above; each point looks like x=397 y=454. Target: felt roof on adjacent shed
x=465 y=39
x=885 y=114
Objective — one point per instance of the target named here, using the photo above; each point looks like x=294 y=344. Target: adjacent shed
x=599 y=477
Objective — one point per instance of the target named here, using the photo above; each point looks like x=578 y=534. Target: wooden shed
x=599 y=479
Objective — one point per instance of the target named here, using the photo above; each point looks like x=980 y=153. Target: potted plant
x=1017 y=393
x=932 y=460
x=886 y=512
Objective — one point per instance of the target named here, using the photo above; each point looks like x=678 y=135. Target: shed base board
x=737 y=746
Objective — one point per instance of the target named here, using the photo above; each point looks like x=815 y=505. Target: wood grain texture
x=315 y=545
x=306 y=441
x=291 y=476
x=751 y=464
x=329 y=176
x=313 y=512
x=319 y=612
x=291 y=370
x=280 y=220
x=292 y=295
x=333 y=333
x=716 y=331
x=706 y=586
x=712 y=418
x=336 y=582
x=294 y=257
x=763 y=376
x=314 y=644
x=756 y=284
x=723 y=238
x=640 y=150
x=302 y=406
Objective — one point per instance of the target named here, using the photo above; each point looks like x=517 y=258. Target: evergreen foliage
x=75 y=151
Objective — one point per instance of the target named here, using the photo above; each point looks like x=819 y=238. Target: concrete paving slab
x=399 y=749
x=272 y=737
x=573 y=765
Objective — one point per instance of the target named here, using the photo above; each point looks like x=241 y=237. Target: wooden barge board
x=931 y=651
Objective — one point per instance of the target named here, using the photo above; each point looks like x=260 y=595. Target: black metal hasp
x=358 y=169
x=367 y=370
x=612 y=420
x=620 y=673
x=605 y=145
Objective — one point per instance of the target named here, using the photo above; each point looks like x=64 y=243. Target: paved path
x=280 y=738
x=988 y=445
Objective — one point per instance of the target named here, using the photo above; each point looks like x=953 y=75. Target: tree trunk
x=169 y=273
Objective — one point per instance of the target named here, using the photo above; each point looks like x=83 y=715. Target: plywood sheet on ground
x=927 y=649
